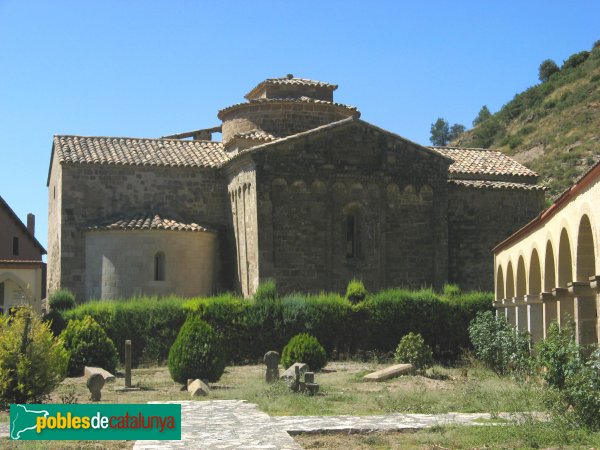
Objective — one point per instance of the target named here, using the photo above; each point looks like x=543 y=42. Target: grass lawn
x=342 y=391
x=527 y=436
x=473 y=389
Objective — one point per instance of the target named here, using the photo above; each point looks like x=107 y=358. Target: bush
x=356 y=292
x=267 y=290
x=413 y=350
x=32 y=361
x=582 y=391
x=575 y=59
x=88 y=345
x=196 y=353
x=451 y=290
x=498 y=345
x=547 y=68
x=249 y=328
x=150 y=323
x=62 y=300
x=558 y=354
x=304 y=348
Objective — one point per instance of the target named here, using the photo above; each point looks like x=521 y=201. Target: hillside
x=553 y=127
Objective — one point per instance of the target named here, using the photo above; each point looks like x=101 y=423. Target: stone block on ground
x=198 y=388
x=95 y=383
x=290 y=373
x=89 y=371
x=389 y=372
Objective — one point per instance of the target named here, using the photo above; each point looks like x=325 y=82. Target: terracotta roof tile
x=484 y=184
x=147 y=222
x=302 y=99
x=482 y=161
x=135 y=151
x=291 y=81
x=256 y=135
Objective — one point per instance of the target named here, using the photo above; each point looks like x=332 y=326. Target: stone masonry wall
x=95 y=193
x=281 y=118
x=242 y=199
x=395 y=191
x=121 y=264
x=54 y=227
x=478 y=220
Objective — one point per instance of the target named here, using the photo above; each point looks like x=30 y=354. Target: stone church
x=299 y=189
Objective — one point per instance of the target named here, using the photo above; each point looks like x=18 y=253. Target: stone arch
x=374 y=190
x=299 y=186
x=409 y=195
x=393 y=194
x=318 y=187
x=15 y=279
x=510 y=281
x=499 y=283
x=549 y=268
x=521 y=278
x=535 y=274
x=426 y=194
x=392 y=189
x=565 y=262
x=357 y=190
x=586 y=258
x=279 y=184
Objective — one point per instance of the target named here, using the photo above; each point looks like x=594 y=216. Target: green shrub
x=62 y=300
x=196 y=353
x=499 y=345
x=150 y=323
x=306 y=349
x=32 y=361
x=575 y=59
x=582 y=391
x=558 y=354
x=55 y=321
x=413 y=350
x=250 y=328
x=88 y=345
x=451 y=290
x=267 y=290
x=547 y=68
x=356 y=292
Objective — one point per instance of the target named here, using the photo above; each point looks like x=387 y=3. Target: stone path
x=224 y=424
x=236 y=424
x=365 y=424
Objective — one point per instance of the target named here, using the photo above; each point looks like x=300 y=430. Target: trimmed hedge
x=250 y=328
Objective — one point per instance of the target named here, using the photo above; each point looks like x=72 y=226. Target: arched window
x=350 y=236
x=159 y=267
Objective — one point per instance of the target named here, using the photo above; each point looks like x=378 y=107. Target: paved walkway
x=236 y=424
x=224 y=424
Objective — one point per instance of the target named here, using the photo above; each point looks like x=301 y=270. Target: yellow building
x=549 y=269
x=22 y=271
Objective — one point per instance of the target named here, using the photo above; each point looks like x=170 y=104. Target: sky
x=152 y=68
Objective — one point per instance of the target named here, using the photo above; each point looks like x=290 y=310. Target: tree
x=455 y=131
x=440 y=132
x=547 y=68
x=484 y=114
x=575 y=59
